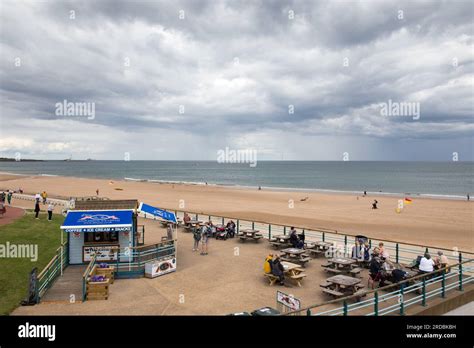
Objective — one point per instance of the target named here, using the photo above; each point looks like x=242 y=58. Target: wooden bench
x=325 y=285
x=359 y=294
x=333 y=270
x=298 y=278
x=326 y=265
x=271 y=278
x=333 y=293
x=315 y=252
x=355 y=272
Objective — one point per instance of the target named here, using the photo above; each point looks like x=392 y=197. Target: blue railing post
x=345 y=244
x=376 y=303
x=324 y=236
x=370 y=243
x=396 y=253
x=460 y=273
x=238 y=226
x=196 y=217
x=423 y=293
x=222 y=220
x=269 y=231
x=253 y=225
x=284 y=230
x=308 y=312
x=345 y=308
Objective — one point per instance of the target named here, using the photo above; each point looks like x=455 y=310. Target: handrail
x=319 y=229
x=89 y=266
x=350 y=297
x=58 y=250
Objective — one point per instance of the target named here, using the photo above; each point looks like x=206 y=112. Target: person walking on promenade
x=9 y=197
x=50 y=211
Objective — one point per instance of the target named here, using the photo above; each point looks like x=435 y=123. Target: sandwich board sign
x=287 y=302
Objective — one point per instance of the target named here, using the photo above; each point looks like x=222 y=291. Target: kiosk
x=100 y=232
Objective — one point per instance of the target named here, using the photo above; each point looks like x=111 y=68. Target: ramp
x=70 y=283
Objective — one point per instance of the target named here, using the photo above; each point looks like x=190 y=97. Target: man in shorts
x=205 y=231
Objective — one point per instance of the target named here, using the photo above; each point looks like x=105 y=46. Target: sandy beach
x=443 y=223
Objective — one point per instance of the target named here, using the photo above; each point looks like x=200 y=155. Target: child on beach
x=50 y=211
x=44 y=195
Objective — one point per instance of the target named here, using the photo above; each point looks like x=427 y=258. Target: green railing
x=131 y=262
x=408 y=294
x=86 y=275
x=343 y=242
x=51 y=271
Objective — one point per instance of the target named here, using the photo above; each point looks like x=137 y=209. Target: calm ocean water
x=448 y=179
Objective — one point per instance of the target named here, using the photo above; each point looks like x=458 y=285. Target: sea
x=450 y=180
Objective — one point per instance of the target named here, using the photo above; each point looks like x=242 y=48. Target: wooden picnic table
x=280 y=240
x=318 y=248
x=295 y=255
x=341 y=264
x=294 y=272
x=248 y=233
x=341 y=285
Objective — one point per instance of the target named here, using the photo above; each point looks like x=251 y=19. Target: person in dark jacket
x=375 y=267
x=37 y=209
x=295 y=240
x=278 y=270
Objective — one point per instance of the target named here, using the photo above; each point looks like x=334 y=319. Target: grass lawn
x=14 y=272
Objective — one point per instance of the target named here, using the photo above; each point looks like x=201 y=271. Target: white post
x=62 y=251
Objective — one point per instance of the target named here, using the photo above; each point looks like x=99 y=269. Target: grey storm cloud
x=236 y=68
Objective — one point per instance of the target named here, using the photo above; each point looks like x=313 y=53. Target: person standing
x=9 y=197
x=2 y=197
x=44 y=195
x=97 y=192
x=197 y=238
x=205 y=239
x=468 y=197
x=50 y=211
x=37 y=209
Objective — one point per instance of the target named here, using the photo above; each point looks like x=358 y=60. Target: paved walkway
x=467 y=309
x=11 y=215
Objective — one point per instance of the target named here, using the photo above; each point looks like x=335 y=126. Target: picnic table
x=295 y=255
x=280 y=240
x=339 y=265
x=249 y=233
x=292 y=271
x=341 y=286
x=318 y=248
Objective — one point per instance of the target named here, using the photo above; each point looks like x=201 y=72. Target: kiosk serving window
x=100 y=237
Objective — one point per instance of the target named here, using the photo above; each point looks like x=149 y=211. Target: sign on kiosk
x=103 y=253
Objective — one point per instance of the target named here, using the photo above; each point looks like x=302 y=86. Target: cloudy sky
x=295 y=80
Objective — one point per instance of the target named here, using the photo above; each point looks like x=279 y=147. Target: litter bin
x=265 y=311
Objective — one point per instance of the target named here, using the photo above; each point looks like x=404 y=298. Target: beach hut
x=103 y=233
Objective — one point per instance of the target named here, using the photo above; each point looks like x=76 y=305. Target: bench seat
x=333 y=293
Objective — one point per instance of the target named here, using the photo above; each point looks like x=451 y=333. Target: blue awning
x=160 y=213
x=98 y=221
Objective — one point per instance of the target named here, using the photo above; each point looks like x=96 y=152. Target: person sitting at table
x=385 y=270
x=441 y=261
x=426 y=264
x=230 y=228
x=398 y=275
x=294 y=239
x=278 y=270
x=267 y=265
x=186 y=219
x=366 y=249
x=302 y=236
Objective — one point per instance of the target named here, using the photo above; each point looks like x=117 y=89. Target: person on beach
x=374 y=205
x=50 y=211
x=205 y=231
x=37 y=209
x=97 y=192
x=365 y=193
x=2 y=197
x=197 y=238
x=468 y=197
x=9 y=197
x=278 y=270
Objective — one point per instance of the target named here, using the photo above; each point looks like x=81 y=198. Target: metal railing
x=408 y=293
x=51 y=271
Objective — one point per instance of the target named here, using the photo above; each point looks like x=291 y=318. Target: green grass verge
x=14 y=272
